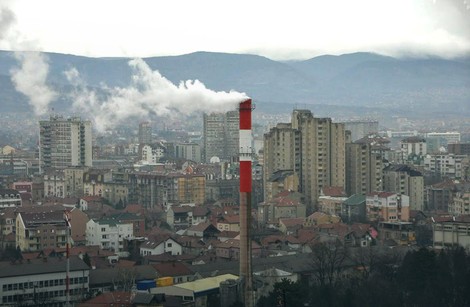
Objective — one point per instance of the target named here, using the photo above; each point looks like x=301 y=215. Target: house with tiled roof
x=286 y=204
x=230 y=249
x=203 y=230
x=229 y=223
x=184 y=216
x=319 y=218
x=192 y=245
x=281 y=242
x=179 y=271
x=291 y=225
x=160 y=245
x=332 y=191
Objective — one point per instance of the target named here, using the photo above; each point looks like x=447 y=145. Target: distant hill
x=351 y=80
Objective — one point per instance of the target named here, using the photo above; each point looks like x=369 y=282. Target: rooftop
x=37 y=266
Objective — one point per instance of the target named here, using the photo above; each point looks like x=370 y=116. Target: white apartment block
x=108 y=233
x=152 y=153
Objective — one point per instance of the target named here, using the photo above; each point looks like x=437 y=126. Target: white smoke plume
x=30 y=80
x=149 y=93
x=7 y=19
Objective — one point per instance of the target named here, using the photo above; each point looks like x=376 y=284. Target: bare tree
x=328 y=261
x=124 y=280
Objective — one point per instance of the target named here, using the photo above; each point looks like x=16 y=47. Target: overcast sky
x=291 y=29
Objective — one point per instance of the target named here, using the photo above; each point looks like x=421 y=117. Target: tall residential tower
x=64 y=143
x=314 y=148
x=221 y=135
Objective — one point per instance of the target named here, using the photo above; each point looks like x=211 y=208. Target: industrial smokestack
x=245 y=155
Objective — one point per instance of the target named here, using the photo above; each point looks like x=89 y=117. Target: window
x=169 y=245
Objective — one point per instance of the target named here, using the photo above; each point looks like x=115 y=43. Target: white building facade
x=108 y=233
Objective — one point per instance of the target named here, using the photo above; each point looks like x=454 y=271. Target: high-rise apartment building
x=405 y=180
x=281 y=153
x=64 y=143
x=314 y=148
x=145 y=136
x=221 y=135
x=363 y=169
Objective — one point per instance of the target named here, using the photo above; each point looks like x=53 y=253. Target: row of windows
x=39 y=296
x=43 y=283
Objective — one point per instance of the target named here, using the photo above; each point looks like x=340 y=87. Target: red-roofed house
x=291 y=225
x=286 y=204
x=229 y=223
x=230 y=249
x=333 y=192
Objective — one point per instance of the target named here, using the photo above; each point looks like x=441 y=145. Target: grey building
x=41 y=282
x=221 y=135
x=64 y=143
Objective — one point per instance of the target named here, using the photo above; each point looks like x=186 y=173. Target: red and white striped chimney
x=245 y=155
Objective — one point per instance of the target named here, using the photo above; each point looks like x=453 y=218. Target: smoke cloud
x=30 y=80
x=7 y=19
x=149 y=93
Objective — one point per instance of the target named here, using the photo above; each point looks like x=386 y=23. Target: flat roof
x=40 y=266
x=206 y=284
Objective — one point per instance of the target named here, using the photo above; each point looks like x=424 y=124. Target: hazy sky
x=277 y=29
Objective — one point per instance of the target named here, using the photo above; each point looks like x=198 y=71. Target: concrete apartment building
x=281 y=155
x=459 y=148
x=221 y=134
x=9 y=198
x=64 y=143
x=363 y=169
x=144 y=136
x=413 y=149
x=314 y=148
x=41 y=282
x=188 y=151
x=36 y=231
x=186 y=188
x=405 y=180
x=148 y=189
x=109 y=233
x=447 y=165
x=387 y=207
x=460 y=204
x=73 y=177
x=54 y=183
